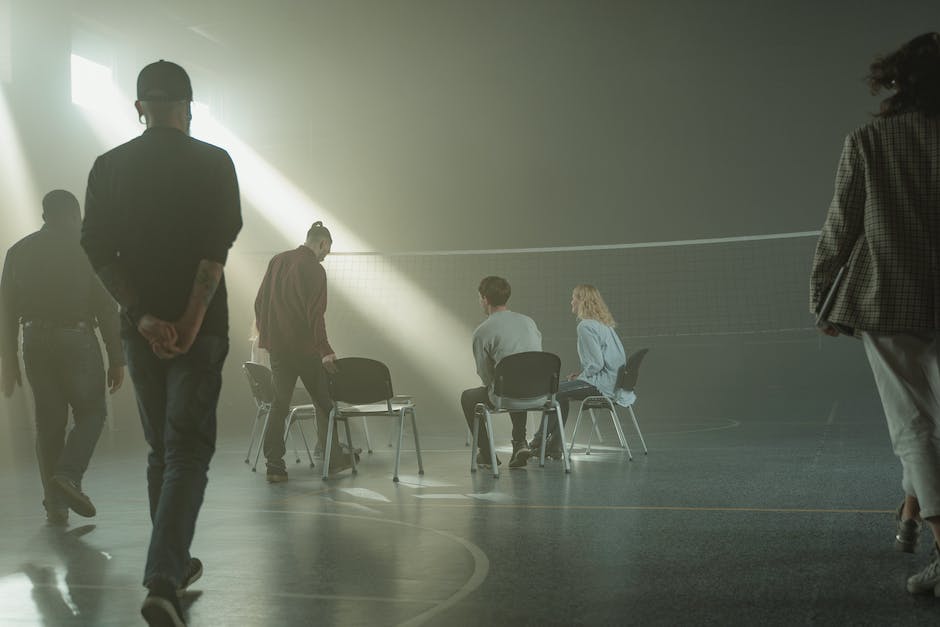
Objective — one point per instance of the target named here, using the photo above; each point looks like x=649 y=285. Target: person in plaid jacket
x=883 y=226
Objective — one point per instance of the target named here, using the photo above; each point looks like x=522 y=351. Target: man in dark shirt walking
x=48 y=285
x=161 y=213
x=289 y=310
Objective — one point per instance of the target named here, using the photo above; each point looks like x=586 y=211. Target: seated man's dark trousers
x=65 y=369
x=469 y=400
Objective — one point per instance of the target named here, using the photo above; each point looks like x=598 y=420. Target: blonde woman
x=601 y=354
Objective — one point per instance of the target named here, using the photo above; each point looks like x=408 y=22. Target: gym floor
x=776 y=519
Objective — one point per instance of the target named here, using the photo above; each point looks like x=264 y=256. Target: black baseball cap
x=164 y=81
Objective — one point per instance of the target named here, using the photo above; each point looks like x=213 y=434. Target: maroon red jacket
x=291 y=303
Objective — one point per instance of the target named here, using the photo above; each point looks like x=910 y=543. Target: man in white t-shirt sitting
x=503 y=333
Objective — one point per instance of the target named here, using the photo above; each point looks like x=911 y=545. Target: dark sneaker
x=484 y=461
x=161 y=608
x=57 y=517
x=520 y=455
x=554 y=453
x=193 y=573
x=536 y=442
x=928 y=580
x=276 y=475
x=908 y=532
x=552 y=447
x=77 y=501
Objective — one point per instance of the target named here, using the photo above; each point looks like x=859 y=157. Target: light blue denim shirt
x=601 y=354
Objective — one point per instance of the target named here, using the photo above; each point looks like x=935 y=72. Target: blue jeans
x=177 y=400
x=65 y=369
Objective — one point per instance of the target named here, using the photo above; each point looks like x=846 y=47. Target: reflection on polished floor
x=769 y=520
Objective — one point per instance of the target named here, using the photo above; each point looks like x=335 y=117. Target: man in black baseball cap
x=164 y=96
x=164 y=81
x=161 y=213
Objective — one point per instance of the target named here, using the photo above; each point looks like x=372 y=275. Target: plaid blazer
x=884 y=222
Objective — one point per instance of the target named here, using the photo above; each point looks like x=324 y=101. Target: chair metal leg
x=254 y=427
x=594 y=430
x=561 y=434
x=544 y=428
x=303 y=435
x=574 y=434
x=476 y=436
x=264 y=433
x=401 y=436
x=414 y=430
x=597 y=431
x=365 y=427
x=492 y=438
x=615 y=417
x=288 y=436
x=635 y=424
x=327 y=445
x=349 y=443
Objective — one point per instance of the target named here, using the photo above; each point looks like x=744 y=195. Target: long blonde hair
x=591 y=305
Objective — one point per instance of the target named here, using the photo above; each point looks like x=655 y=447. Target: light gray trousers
x=906 y=372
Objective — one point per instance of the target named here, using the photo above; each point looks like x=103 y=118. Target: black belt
x=75 y=325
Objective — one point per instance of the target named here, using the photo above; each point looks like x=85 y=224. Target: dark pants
x=65 y=369
x=568 y=391
x=286 y=368
x=177 y=399
x=469 y=400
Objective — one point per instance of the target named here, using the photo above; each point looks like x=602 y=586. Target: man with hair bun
x=289 y=310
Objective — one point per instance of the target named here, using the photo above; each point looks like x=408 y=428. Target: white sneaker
x=927 y=580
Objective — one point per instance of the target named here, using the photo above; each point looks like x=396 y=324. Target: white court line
x=228 y=590
x=481 y=563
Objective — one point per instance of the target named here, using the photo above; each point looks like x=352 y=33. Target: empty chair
x=626 y=382
x=523 y=382
x=262 y=389
x=363 y=387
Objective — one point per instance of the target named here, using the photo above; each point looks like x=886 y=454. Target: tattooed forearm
x=208 y=275
x=114 y=280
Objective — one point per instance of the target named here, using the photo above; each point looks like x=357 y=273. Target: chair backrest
x=360 y=381
x=527 y=375
x=260 y=380
x=630 y=371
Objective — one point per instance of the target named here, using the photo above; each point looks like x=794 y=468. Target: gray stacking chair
x=522 y=382
x=362 y=387
x=626 y=380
